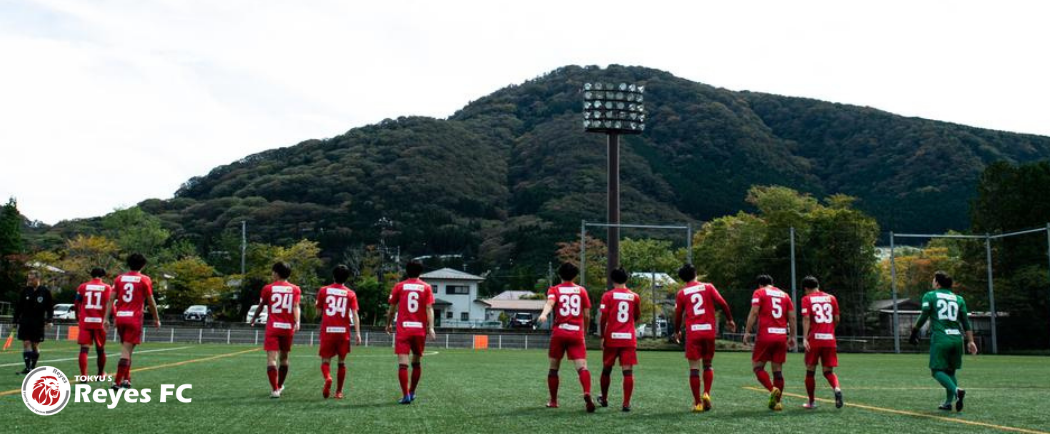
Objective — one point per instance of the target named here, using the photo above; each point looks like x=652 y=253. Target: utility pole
x=244 y=248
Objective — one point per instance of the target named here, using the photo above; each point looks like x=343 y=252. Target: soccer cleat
x=588 y=403
x=412 y=396
x=339 y=395
x=280 y=389
x=274 y=394
x=602 y=401
x=809 y=405
x=774 y=398
x=706 y=402
x=327 y=388
x=838 y=399
x=115 y=386
x=626 y=409
x=960 y=394
x=407 y=399
x=778 y=407
x=946 y=407
x=22 y=372
x=698 y=408
x=552 y=404
x=125 y=385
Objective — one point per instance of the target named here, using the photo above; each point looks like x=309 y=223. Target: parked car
x=198 y=312
x=646 y=329
x=65 y=311
x=521 y=320
x=262 y=316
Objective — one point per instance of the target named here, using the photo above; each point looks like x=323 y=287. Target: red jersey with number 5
x=337 y=305
x=821 y=309
x=773 y=307
x=620 y=308
x=92 y=298
x=697 y=303
x=570 y=302
x=412 y=297
x=281 y=298
x=131 y=290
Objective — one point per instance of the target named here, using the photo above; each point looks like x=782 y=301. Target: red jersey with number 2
x=697 y=304
x=280 y=299
x=773 y=307
x=130 y=292
x=412 y=297
x=620 y=309
x=821 y=309
x=570 y=302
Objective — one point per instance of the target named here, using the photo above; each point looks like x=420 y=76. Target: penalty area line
x=913 y=414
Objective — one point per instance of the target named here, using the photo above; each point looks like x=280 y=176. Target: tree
x=135 y=231
x=193 y=282
x=11 y=250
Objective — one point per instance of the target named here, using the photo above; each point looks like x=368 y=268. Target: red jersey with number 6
x=570 y=301
x=620 y=309
x=91 y=302
x=280 y=298
x=412 y=297
x=821 y=309
x=697 y=303
x=337 y=303
x=131 y=290
x=773 y=307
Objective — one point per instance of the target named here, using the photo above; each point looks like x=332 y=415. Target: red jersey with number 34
x=130 y=292
x=337 y=305
x=620 y=309
x=412 y=297
x=570 y=302
x=92 y=298
x=280 y=299
x=821 y=309
x=773 y=307
x=697 y=304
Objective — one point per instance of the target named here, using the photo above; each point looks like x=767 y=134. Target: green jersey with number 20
x=947 y=313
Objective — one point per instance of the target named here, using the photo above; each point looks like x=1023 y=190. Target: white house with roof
x=456 y=303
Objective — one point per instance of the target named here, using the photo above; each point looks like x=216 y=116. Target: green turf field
x=504 y=391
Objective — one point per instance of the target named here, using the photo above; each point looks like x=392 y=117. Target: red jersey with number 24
x=92 y=298
x=821 y=309
x=773 y=307
x=130 y=292
x=280 y=299
x=620 y=309
x=412 y=297
x=570 y=301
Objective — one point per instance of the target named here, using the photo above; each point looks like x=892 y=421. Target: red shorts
x=130 y=333
x=574 y=346
x=628 y=356
x=278 y=342
x=770 y=351
x=406 y=344
x=332 y=347
x=827 y=356
x=699 y=349
x=92 y=336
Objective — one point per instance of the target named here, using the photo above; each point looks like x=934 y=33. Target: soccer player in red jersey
x=820 y=316
x=93 y=307
x=338 y=307
x=619 y=309
x=695 y=310
x=413 y=301
x=571 y=321
x=775 y=314
x=281 y=298
x=131 y=291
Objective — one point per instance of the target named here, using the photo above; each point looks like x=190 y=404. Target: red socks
x=341 y=374
x=326 y=371
x=833 y=379
x=811 y=384
x=585 y=380
x=778 y=380
x=763 y=377
x=271 y=372
x=628 y=387
x=417 y=371
x=83 y=361
x=552 y=384
x=101 y=356
x=709 y=376
x=123 y=371
x=282 y=373
x=605 y=379
x=402 y=377
x=694 y=385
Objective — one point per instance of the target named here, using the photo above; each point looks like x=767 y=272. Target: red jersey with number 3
x=280 y=299
x=697 y=303
x=92 y=298
x=570 y=302
x=773 y=307
x=821 y=309
x=620 y=308
x=130 y=292
x=337 y=305
x=412 y=297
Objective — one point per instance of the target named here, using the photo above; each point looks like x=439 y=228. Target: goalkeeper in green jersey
x=949 y=320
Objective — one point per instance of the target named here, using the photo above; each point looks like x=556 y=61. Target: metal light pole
x=893 y=284
x=794 y=287
x=991 y=292
x=244 y=246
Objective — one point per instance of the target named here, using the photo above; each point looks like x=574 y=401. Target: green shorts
x=946 y=355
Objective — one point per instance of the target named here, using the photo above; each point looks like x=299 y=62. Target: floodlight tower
x=613 y=110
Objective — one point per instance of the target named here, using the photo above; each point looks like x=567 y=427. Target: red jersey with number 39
x=821 y=309
x=337 y=305
x=697 y=304
x=412 y=297
x=130 y=292
x=92 y=298
x=281 y=298
x=570 y=302
x=620 y=309
x=773 y=307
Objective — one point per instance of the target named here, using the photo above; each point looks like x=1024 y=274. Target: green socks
x=948 y=382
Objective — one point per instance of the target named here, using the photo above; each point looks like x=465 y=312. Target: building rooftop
x=450 y=274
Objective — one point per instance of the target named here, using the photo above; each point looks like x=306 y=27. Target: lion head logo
x=46 y=391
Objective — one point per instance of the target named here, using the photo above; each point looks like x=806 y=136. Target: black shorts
x=31 y=333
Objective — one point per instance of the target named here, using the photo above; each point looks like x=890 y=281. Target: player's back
x=130 y=292
x=821 y=308
x=337 y=301
x=281 y=298
x=620 y=307
x=698 y=305
x=412 y=296
x=94 y=295
x=947 y=312
x=774 y=306
x=570 y=303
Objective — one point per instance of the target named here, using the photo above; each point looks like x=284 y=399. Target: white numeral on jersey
x=335 y=305
x=570 y=305
x=92 y=300
x=129 y=292
x=281 y=303
x=778 y=310
x=698 y=303
x=412 y=302
x=947 y=310
x=822 y=313
x=623 y=312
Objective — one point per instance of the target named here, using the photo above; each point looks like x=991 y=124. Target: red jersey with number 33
x=697 y=304
x=92 y=298
x=337 y=305
x=821 y=309
x=773 y=307
x=280 y=298
x=620 y=309
x=412 y=297
x=130 y=292
x=570 y=302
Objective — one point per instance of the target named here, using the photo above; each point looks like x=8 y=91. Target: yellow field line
x=915 y=414
x=166 y=365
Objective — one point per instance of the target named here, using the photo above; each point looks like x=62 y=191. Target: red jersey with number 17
x=773 y=307
x=821 y=309
x=130 y=292
x=570 y=302
x=92 y=298
x=620 y=309
x=337 y=305
x=412 y=297
x=280 y=298
x=697 y=304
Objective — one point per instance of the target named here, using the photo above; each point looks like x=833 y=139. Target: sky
x=106 y=103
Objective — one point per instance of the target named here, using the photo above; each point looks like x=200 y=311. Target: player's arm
x=721 y=302
x=390 y=316
x=751 y=318
x=108 y=309
x=357 y=325
x=805 y=328
x=430 y=322
x=153 y=311
x=547 y=308
x=317 y=302
x=49 y=306
x=964 y=316
x=923 y=317
x=297 y=312
x=586 y=320
x=792 y=328
x=258 y=310
x=679 y=311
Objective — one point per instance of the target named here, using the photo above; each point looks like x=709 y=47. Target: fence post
x=311 y=339
x=501 y=342
x=256 y=336
x=446 y=341
x=526 y=342
x=144 y=333
x=893 y=285
x=366 y=339
x=991 y=292
x=58 y=333
x=200 y=336
x=228 y=331
x=172 y=340
x=794 y=289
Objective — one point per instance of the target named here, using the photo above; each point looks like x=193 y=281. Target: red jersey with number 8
x=570 y=302
x=620 y=308
x=92 y=299
x=130 y=291
x=773 y=307
x=412 y=297
x=821 y=309
x=337 y=305
x=280 y=299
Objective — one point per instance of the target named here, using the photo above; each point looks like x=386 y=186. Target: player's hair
x=619 y=275
x=687 y=272
x=98 y=272
x=764 y=280
x=282 y=270
x=567 y=272
x=413 y=269
x=810 y=282
x=136 y=261
x=943 y=279
x=340 y=273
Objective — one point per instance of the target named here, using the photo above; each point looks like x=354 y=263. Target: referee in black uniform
x=33 y=312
